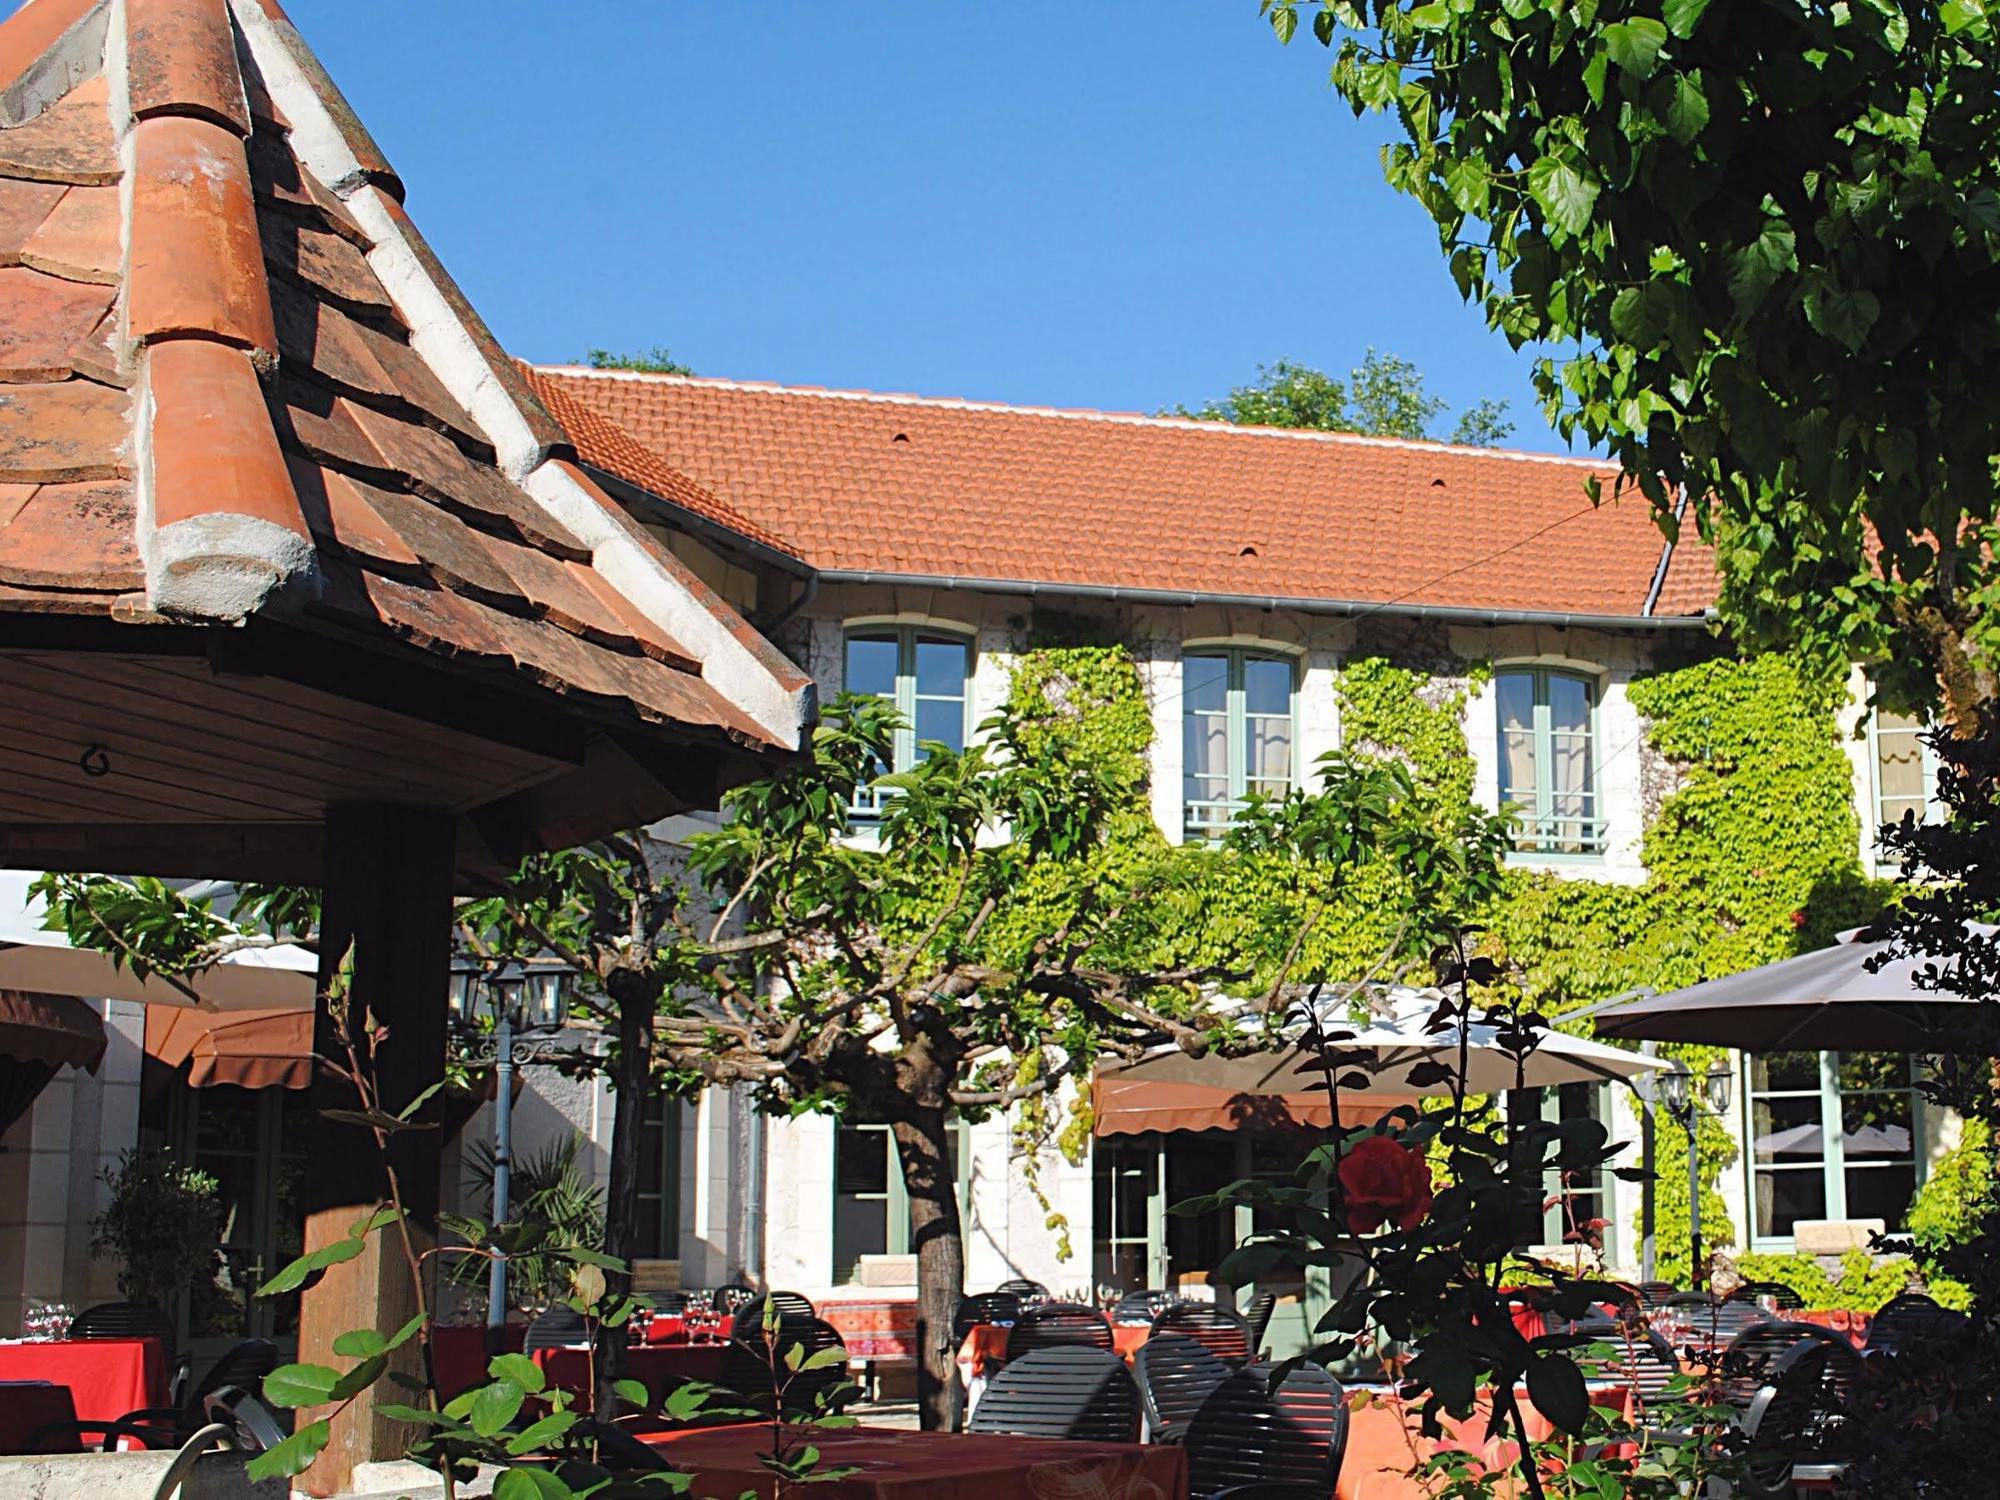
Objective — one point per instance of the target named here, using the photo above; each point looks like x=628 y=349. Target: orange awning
x=252 y=1049
x=51 y=1029
x=1263 y=1091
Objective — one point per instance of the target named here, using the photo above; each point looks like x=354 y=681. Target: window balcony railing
x=1558 y=834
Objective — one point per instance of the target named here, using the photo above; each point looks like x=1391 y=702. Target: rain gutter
x=1450 y=614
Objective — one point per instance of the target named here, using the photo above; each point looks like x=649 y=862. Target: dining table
x=106 y=1378
x=26 y=1406
x=660 y=1367
x=892 y=1463
x=1385 y=1441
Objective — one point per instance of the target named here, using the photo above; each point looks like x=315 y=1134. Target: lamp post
x=525 y=1004
x=1684 y=1102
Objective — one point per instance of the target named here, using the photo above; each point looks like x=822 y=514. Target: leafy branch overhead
x=1383 y=396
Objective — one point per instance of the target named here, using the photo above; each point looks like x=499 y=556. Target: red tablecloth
x=895 y=1464
x=662 y=1367
x=458 y=1356
x=106 y=1377
x=1385 y=1442
x=986 y=1345
x=667 y=1328
x=24 y=1407
x=879 y=1328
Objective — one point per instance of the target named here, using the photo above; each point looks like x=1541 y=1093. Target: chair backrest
x=1247 y=1433
x=1798 y=1415
x=750 y=1316
x=1709 y=1320
x=124 y=1320
x=1750 y=1361
x=1259 y=1319
x=1775 y=1292
x=1175 y=1376
x=982 y=1307
x=1138 y=1308
x=1055 y=1325
x=255 y=1426
x=1638 y=1358
x=1220 y=1329
x=1653 y=1293
x=1024 y=1289
x=1911 y=1318
x=243 y=1364
x=555 y=1328
x=746 y=1366
x=1071 y=1392
x=728 y=1298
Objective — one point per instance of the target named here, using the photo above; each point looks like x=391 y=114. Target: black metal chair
x=746 y=1368
x=1711 y=1321
x=1248 y=1433
x=1220 y=1329
x=1258 y=1318
x=1798 y=1417
x=1024 y=1289
x=1138 y=1309
x=1780 y=1295
x=557 y=1327
x=1057 y=1325
x=1653 y=1293
x=242 y=1367
x=124 y=1320
x=668 y=1304
x=976 y=1308
x=1272 y=1489
x=1638 y=1358
x=1752 y=1356
x=750 y=1316
x=1175 y=1376
x=1073 y=1392
x=1912 y=1319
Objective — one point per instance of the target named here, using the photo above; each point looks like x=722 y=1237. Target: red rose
x=1384 y=1183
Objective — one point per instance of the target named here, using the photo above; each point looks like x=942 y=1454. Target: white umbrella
x=283 y=977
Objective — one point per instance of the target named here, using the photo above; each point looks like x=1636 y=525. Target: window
x=1237 y=738
x=1905 y=769
x=1570 y=1200
x=658 y=1222
x=924 y=674
x=1833 y=1135
x=1548 y=769
x=871 y=1207
x=1127 y=1210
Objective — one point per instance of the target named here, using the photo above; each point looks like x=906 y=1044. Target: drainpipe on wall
x=751 y=1252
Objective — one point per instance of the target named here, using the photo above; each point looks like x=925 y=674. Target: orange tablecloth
x=878 y=1328
x=896 y=1464
x=1853 y=1324
x=986 y=1345
x=663 y=1367
x=28 y=1405
x=1385 y=1441
x=106 y=1377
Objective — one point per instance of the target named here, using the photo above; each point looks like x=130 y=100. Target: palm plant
x=549 y=1191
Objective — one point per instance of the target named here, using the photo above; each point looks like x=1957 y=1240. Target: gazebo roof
x=237 y=389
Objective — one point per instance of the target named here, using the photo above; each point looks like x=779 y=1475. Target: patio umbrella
x=1827 y=1000
x=31 y=958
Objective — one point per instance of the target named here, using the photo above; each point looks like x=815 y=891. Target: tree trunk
x=631 y=1078
x=922 y=1148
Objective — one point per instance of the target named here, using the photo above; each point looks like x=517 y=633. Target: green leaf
x=1566 y=196
x=300 y=1385
x=404 y=1334
x=1556 y=1387
x=381 y=1218
x=531 y=1484
x=824 y=1359
x=518 y=1368
x=540 y=1434
x=1687 y=111
x=360 y=1377
x=633 y=1392
x=402 y=1412
x=494 y=1406
x=1284 y=21
x=1683 y=16
x=359 y=1343
x=1959 y=15
x=292 y=1456
x=420 y=1101
x=1757 y=266
x=1433 y=17
x=1635 y=45
x=1842 y=315
x=295 y=1275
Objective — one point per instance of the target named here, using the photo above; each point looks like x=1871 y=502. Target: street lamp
x=525 y=1005
x=1684 y=1100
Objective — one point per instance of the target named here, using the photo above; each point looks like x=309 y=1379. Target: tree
x=658 y=360
x=1384 y=396
x=1766 y=241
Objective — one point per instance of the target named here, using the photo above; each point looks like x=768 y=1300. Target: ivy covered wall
x=1751 y=849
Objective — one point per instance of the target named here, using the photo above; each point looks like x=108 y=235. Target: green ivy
x=1955 y=1196
x=1862 y=1284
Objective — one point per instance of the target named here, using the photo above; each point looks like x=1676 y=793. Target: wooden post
x=387 y=891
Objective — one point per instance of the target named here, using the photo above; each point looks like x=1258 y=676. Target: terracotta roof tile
x=195 y=267
x=298 y=432
x=47 y=318
x=27 y=34
x=73 y=536
x=80 y=238
x=968 y=490
x=72 y=142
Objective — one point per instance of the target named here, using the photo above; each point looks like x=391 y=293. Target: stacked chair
x=1062 y=1391
x=1176 y=1375
x=1248 y=1437
x=1220 y=1329
x=1050 y=1325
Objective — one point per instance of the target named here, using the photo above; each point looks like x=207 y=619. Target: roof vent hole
x=1246 y=552
x=1437 y=484
x=901 y=437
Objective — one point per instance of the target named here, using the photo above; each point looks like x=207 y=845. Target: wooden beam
x=284 y=852
x=386 y=891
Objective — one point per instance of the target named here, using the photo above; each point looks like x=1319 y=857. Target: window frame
x=895 y=1198
x=1833 y=1155
x=1236 y=740
x=666 y=1219
x=907 y=634
x=1543 y=730
x=1933 y=808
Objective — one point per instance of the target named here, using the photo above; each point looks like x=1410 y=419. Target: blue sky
x=1120 y=206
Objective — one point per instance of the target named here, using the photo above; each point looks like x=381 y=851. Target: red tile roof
x=252 y=389
x=902 y=485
